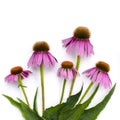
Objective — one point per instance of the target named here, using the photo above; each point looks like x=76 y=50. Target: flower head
x=79 y=42
x=15 y=71
x=41 y=55
x=99 y=74
x=67 y=71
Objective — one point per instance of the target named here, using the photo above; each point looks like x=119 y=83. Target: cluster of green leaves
x=70 y=110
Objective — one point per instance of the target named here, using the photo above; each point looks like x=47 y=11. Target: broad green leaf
x=35 y=102
x=52 y=113
x=27 y=113
x=72 y=100
x=92 y=113
x=76 y=112
x=12 y=101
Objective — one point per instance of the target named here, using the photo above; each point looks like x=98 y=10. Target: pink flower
x=15 y=71
x=66 y=71
x=79 y=42
x=99 y=74
x=41 y=55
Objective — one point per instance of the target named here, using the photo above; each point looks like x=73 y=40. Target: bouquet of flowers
x=75 y=107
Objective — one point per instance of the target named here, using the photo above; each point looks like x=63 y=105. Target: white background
x=23 y=22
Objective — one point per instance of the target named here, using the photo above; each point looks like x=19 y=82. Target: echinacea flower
x=15 y=71
x=67 y=71
x=41 y=55
x=99 y=74
x=79 y=42
x=40 y=58
x=17 y=74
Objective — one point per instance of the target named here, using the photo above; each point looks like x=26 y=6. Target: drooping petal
x=67 y=41
x=99 y=77
x=94 y=75
x=80 y=48
x=30 y=62
x=88 y=48
x=25 y=73
x=70 y=74
x=46 y=60
x=89 y=72
x=71 y=47
x=11 y=78
x=38 y=60
x=63 y=73
x=105 y=81
x=52 y=59
x=109 y=81
x=35 y=60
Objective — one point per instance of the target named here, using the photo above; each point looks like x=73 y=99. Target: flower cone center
x=41 y=46
x=16 y=70
x=103 y=66
x=82 y=33
x=67 y=64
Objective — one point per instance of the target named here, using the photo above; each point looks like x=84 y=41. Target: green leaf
x=35 y=102
x=12 y=101
x=76 y=112
x=72 y=100
x=92 y=113
x=52 y=113
x=27 y=113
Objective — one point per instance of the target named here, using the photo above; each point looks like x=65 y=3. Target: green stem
x=77 y=63
x=89 y=87
x=22 y=88
x=73 y=81
x=63 y=89
x=42 y=86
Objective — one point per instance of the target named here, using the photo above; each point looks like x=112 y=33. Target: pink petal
x=52 y=59
x=38 y=59
x=70 y=74
x=66 y=41
x=99 y=77
x=80 y=48
x=106 y=81
x=95 y=74
x=11 y=78
x=88 y=48
x=46 y=60
x=71 y=47
x=90 y=72
x=64 y=73
x=35 y=60
x=25 y=73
